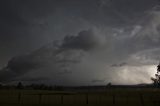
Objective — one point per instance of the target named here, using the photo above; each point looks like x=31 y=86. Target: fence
x=138 y=99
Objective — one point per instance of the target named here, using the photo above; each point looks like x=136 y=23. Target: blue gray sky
x=79 y=42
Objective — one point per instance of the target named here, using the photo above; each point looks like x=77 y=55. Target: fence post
x=127 y=96
x=40 y=98
x=141 y=98
x=87 y=98
x=61 y=99
x=99 y=101
x=19 y=97
x=113 y=99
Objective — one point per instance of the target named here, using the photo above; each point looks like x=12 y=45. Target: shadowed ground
x=115 y=97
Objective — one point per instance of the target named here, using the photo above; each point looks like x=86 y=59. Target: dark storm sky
x=59 y=41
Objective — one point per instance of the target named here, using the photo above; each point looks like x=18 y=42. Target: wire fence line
x=139 y=99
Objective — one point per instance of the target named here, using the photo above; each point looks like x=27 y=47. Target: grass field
x=110 y=97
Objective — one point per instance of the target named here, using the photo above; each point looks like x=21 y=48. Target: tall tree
x=156 y=80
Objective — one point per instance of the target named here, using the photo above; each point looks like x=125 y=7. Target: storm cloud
x=86 y=40
x=17 y=66
x=71 y=50
x=79 y=42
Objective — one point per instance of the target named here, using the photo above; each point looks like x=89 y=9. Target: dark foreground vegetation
x=82 y=96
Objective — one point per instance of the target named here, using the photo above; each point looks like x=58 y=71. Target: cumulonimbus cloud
x=70 y=51
x=85 y=40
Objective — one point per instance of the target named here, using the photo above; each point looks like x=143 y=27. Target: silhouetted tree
x=20 y=86
x=156 y=80
x=1 y=86
x=50 y=88
x=109 y=85
x=58 y=88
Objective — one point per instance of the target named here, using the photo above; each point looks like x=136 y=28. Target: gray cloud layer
x=86 y=40
x=102 y=33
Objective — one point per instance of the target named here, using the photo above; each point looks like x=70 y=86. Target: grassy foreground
x=110 y=97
